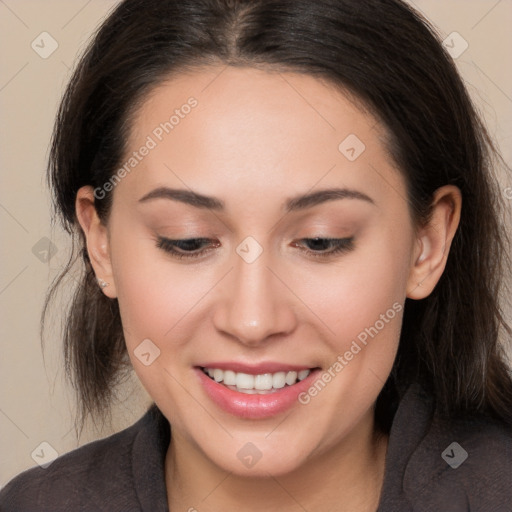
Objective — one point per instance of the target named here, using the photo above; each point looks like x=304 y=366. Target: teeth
x=291 y=378
x=252 y=384
x=303 y=374
x=263 y=382
x=243 y=380
x=279 y=380
x=229 y=378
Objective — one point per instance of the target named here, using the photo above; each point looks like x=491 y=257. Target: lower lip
x=256 y=406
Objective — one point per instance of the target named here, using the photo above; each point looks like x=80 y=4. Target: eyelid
x=168 y=245
x=341 y=245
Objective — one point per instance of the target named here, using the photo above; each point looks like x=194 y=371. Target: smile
x=255 y=384
x=270 y=389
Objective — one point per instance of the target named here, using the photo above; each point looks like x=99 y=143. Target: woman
x=290 y=231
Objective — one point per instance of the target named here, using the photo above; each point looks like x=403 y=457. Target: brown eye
x=326 y=247
x=185 y=248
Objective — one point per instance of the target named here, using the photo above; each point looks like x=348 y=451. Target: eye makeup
x=193 y=248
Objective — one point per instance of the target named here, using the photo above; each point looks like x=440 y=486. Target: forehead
x=223 y=129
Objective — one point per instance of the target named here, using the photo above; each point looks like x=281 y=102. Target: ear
x=433 y=242
x=97 y=240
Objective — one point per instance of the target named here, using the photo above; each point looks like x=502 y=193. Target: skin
x=255 y=139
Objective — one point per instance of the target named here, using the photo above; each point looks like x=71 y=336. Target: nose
x=255 y=305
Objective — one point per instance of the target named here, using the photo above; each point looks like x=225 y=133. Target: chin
x=260 y=459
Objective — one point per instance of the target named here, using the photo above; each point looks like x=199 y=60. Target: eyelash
x=341 y=245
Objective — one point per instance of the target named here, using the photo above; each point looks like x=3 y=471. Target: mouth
x=257 y=392
x=259 y=384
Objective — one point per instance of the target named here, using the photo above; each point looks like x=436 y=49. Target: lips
x=244 y=399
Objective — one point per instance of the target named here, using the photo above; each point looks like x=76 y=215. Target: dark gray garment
x=125 y=472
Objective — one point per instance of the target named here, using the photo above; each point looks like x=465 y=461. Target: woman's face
x=275 y=160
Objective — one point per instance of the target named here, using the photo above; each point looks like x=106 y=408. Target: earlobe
x=434 y=241
x=96 y=235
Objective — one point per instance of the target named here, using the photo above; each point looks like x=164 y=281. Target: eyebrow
x=296 y=203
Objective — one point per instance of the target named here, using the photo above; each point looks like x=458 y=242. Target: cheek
x=154 y=297
x=353 y=294
x=154 y=294
x=360 y=300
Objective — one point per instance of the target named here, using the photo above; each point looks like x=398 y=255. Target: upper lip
x=256 y=369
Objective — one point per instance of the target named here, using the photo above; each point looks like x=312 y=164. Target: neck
x=345 y=478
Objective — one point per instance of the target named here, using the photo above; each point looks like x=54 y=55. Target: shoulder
x=463 y=461
x=88 y=478
x=475 y=459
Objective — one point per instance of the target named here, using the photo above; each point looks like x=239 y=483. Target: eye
x=319 y=247
x=185 y=248
x=195 y=247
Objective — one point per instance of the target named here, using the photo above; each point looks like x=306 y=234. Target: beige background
x=35 y=403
